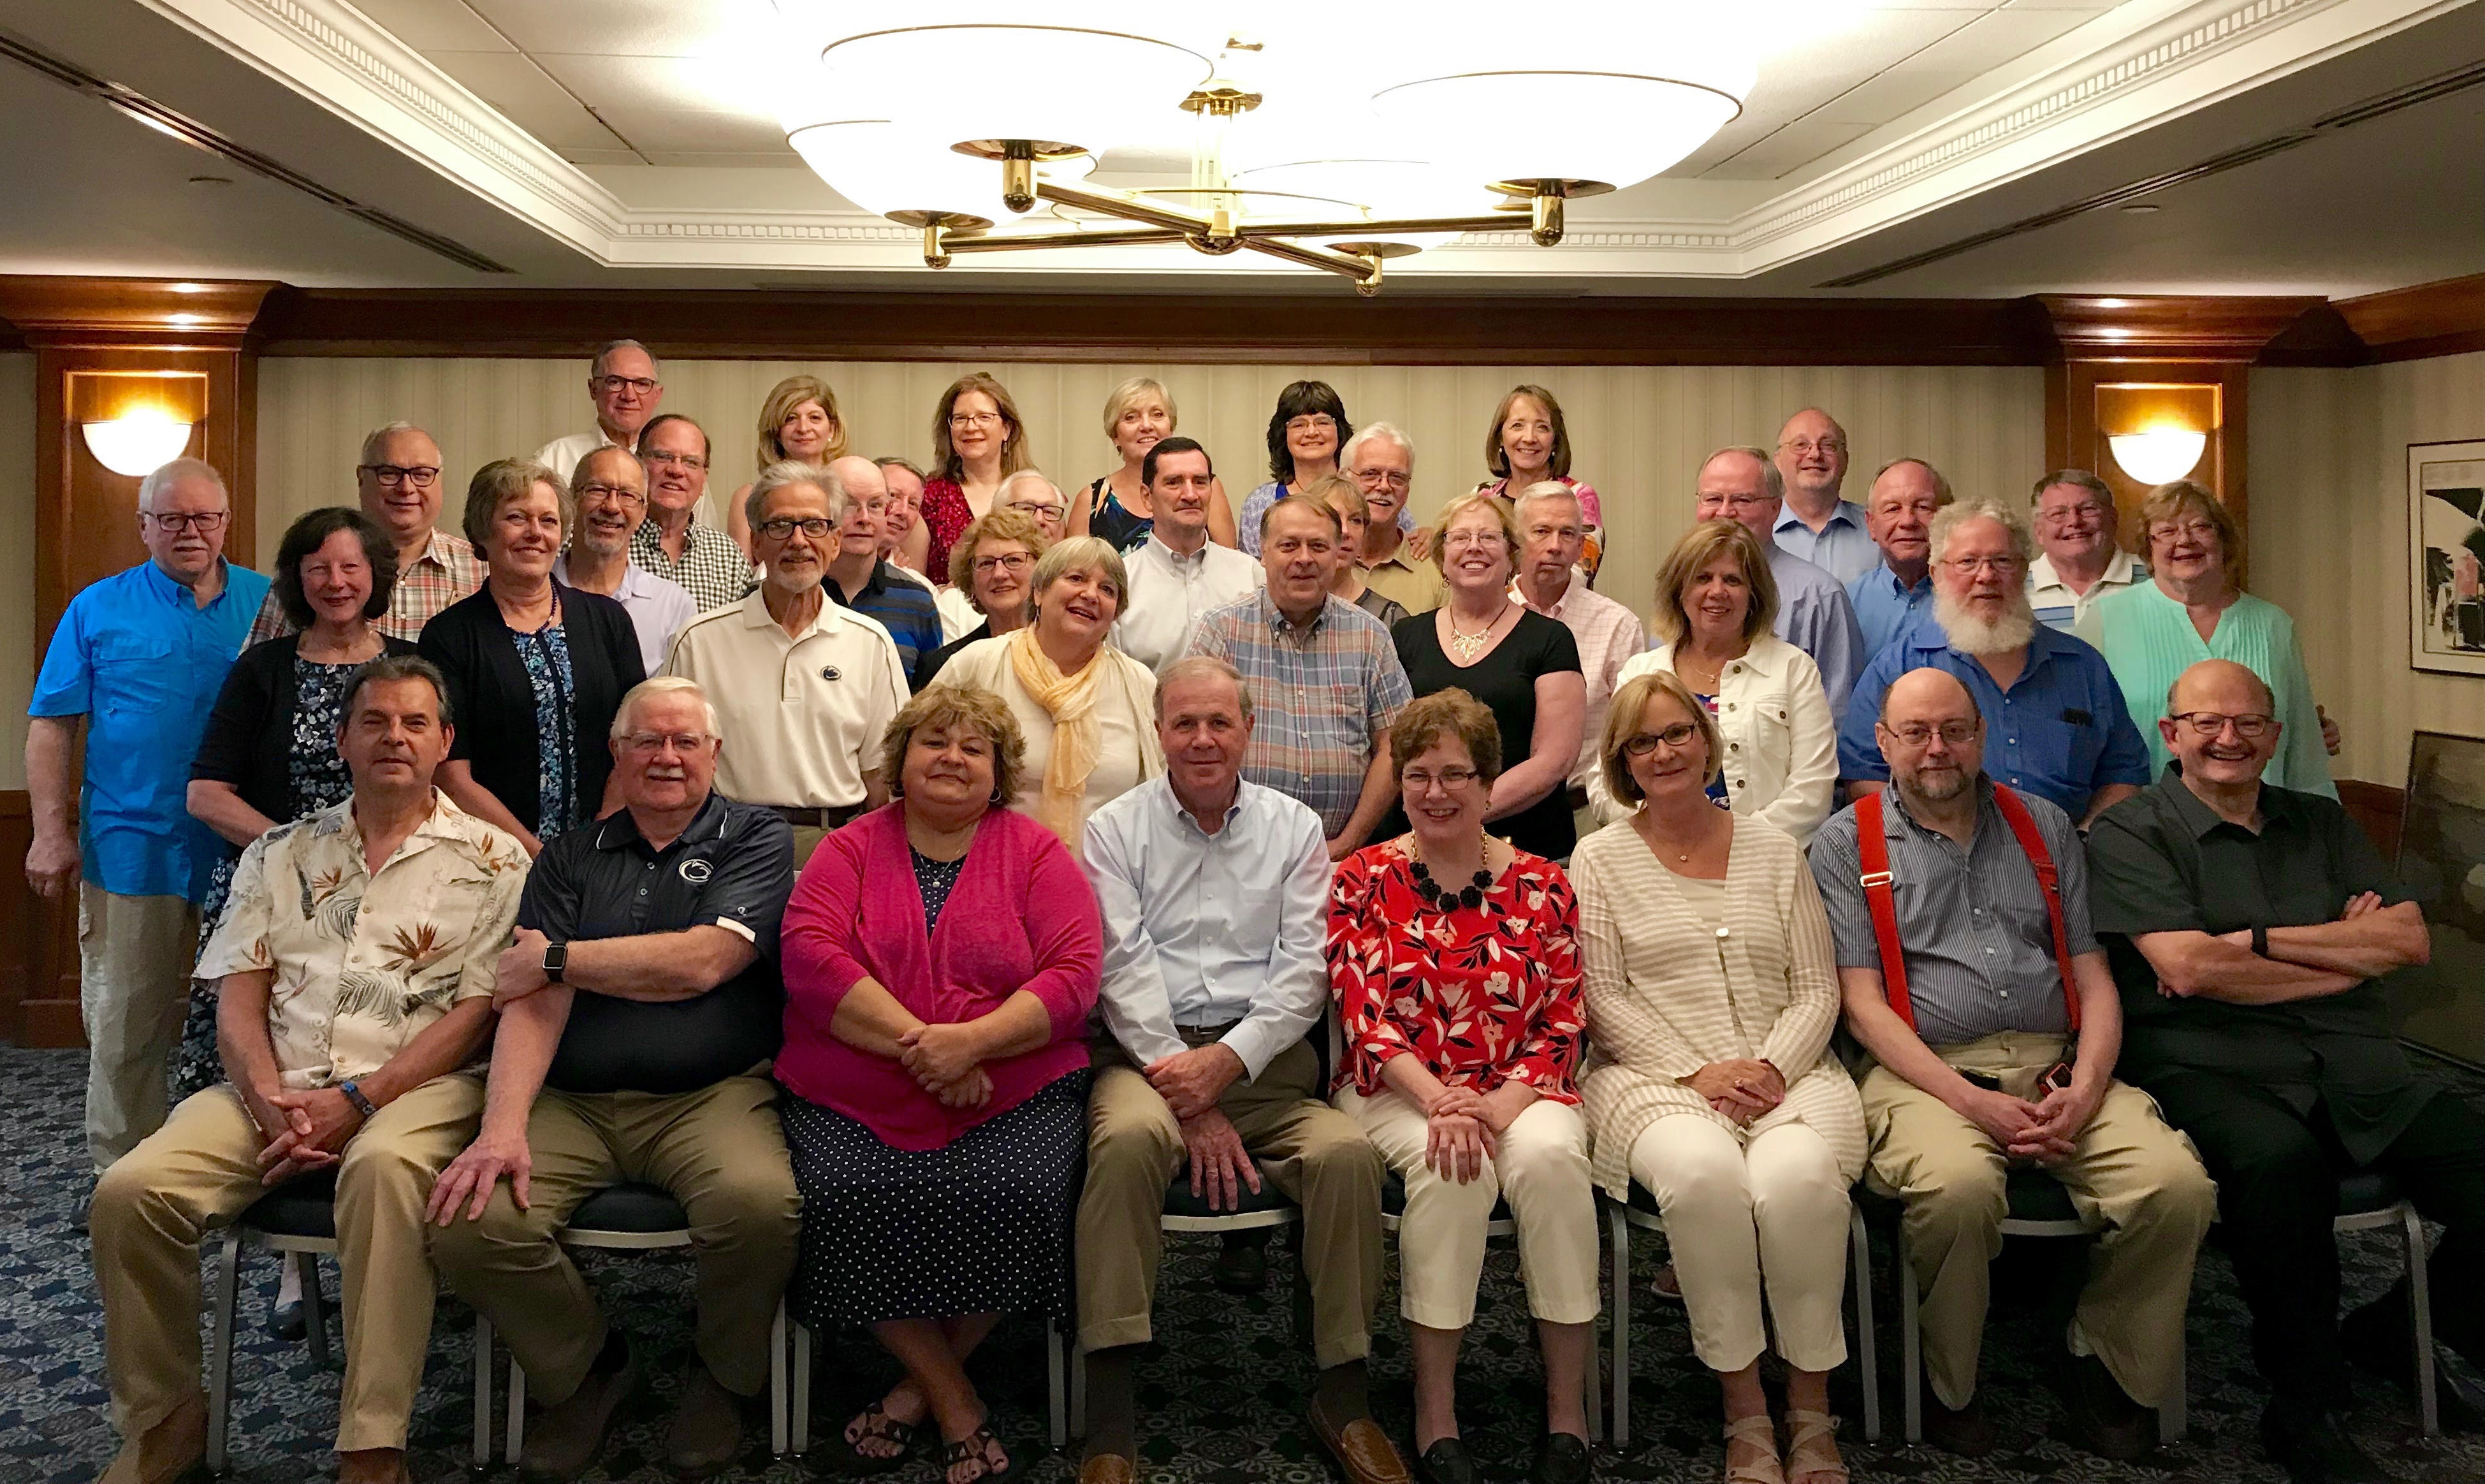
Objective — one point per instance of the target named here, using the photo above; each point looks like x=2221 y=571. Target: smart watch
x=556 y=960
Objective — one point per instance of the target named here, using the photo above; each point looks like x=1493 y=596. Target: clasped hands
x=312 y=1128
x=1462 y=1127
x=1190 y=1081
x=2046 y=1131
x=1739 y=1088
x=946 y=1060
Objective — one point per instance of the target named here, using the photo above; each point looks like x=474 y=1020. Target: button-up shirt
x=2060 y=733
x=1609 y=637
x=1415 y=586
x=364 y=961
x=1323 y=695
x=1884 y=609
x=1169 y=592
x=656 y=608
x=900 y=604
x=1979 y=943
x=2166 y=861
x=1814 y=616
x=447 y=571
x=561 y=454
x=1843 y=546
x=803 y=715
x=713 y=571
x=2057 y=607
x=1206 y=930
x=138 y=657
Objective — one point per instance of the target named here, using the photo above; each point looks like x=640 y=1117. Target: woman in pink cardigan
x=940 y=955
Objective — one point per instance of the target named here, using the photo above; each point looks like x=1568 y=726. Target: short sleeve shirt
x=1322 y=694
x=802 y=716
x=731 y=868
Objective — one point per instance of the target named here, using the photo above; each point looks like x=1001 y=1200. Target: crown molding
x=2171 y=327
x=53 y=312
x=2445 y=318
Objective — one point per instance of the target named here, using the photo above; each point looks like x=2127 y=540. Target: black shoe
x=1563 y=1460
x=1966 y=1432
x=2104 y=1419
x=287 y=1323
x=2378 y=1340
x=1242 y=1265
x=2310 y=1446
x=1447 y=1462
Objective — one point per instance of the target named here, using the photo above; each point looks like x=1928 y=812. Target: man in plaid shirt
x=398 y=479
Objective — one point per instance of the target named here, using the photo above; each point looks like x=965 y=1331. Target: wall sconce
x=135 y=422
x=2159 y=455
x=138 y=442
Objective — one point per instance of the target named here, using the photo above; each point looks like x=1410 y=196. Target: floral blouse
x=545 y=654
x=1484 y=994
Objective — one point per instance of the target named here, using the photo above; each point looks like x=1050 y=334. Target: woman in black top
x=535 y=670
x=1524 y=668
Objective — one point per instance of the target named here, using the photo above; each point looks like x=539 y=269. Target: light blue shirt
x=138 y=657
x=1815 y=615
x=1205 y=929
x=1842 y=546
x=1884 y=610
x=658 y=607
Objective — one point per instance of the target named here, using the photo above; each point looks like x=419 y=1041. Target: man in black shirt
x=641 y=1002
x=2247 y=925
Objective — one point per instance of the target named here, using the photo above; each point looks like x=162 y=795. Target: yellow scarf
x=1078 y=737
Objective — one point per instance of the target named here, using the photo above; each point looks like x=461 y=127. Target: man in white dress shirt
x=610 y=490
x=1179 y=573
x=1215 y=893
x=626 y=388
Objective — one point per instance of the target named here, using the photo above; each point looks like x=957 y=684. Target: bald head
x=860 y=477
x=2222 y=686
x=1925 y=694
x=1812 y=455
x=866 y=507
x=1931 y=737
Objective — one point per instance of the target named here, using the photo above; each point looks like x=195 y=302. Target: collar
x=1845 y=511
x=2278 y=806
x=1765 y=655
x=632 y=585
x=1283 y=627
x=1171 y=802
x=161 y=583
x=1157 y=542
x=619 y=829
x=756 y=614
x=446 y=822
x=2123 y=570
x=1571 y=589
x=1883 y=576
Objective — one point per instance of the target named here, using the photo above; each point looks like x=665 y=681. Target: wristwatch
x=2260 y=940
x=556 y=960
x=354 y=1096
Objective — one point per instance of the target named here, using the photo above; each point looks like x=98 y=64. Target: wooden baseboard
x=2378 y=808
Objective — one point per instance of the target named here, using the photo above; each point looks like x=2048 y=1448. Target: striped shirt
x=447 y=571
x=713 y=569
x=1323 y=697
x=2057 y=607
x=902 y=606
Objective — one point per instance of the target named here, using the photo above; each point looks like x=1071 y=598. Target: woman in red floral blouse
x=1456 y=964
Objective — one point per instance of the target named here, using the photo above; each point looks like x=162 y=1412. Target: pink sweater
x=1021 y=917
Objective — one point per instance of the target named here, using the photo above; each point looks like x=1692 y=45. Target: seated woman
x=1711 y=994
x=1086 y=709
x=1454 y=960
x=942 y=955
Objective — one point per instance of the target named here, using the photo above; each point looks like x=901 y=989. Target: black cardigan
x=249 y=740
x=494 y=706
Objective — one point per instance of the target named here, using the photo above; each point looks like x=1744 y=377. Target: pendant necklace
x=1468 y=646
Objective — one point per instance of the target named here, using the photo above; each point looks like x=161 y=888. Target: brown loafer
x=1361 y=1449
x=1966 y=1432
x=165 y=1452
x=1107 y=1468
x=705 y=1434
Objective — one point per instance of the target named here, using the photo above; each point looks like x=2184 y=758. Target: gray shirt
x=1979 y=944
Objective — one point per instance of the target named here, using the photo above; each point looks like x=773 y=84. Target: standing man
x=1215 y=892
x=2065 y=734
x=904 y=539
x=1552 y=535
x=1323 y=676
x=674 y=542
x=138 y=657
x=1891 y=597
x=1817 y=524
x=1178 y=573
x=1813 y=613
x=610 y=490
x=626 y=388
x=1380 y=459
x=2080 y=561
x=861 y=578
x=1979 y=990
x=807 y=688
x=637 y=1027
x=398 y=484
x=2249 y=927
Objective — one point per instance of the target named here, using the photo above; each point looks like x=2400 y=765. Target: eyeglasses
x=2189 y=530
x=975 y=419
x=1919 y=734
x=1383 y=479
x=665 y=457
x=1451 y=779
x=615 y=386
x=1040 y=511
x=656 y=741
x=2073 y=514
x=2206 y=725
x=782 y=528
x=412 y=476
x=1998 y=566
x=205 y=523
x=1318 y=423
x=1013 y=563
x=1815 y=445
x=1677 y=736
x=620 y=495
x=1472 y=537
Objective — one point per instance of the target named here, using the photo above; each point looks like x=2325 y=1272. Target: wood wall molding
x=2378 y=808
x=136 y=313
x=2171 y=327
x=2447 y=317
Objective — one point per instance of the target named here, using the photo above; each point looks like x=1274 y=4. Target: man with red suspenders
x=1959 y=909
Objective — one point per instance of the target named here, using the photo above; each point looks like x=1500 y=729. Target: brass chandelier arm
x=1132 y=237
x=1128 y=207
x=1344 y=264
x=1498 y=221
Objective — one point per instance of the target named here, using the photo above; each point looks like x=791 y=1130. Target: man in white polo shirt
x=1178 y=573
x=805 y=688
x=625 y=386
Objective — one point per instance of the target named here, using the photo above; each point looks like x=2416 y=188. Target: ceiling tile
x=1995 y=39
x=615 y=28
x=532 y=101
x=779 y=158
x=672 y=84
x=1892 y=94
x=1791 y=149
x=432 y=25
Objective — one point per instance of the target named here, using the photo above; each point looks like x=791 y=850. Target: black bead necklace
x=1441 y=901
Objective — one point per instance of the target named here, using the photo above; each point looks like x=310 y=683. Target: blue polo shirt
x=1884 y=610
x=2060 y=732
x=905 y=608
x=140 y=659
x=1842 y=546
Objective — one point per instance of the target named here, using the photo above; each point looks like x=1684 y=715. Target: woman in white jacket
x=1715 y=601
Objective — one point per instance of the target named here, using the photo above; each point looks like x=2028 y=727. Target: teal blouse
x=2148 y=640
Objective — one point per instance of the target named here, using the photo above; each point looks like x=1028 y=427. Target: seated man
x=2248 y=926
x=349 y=1071
x=1959 y=911
x=635 y=1035
x=1215 y=892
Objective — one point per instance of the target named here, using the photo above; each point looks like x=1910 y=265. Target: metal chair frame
x=304 y=1254
x=2402 y=1214
x=1058 y=1365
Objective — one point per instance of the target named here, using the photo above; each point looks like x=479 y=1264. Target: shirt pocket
x=133 y=672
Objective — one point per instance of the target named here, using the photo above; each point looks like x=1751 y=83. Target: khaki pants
x=2129 y=1172
x=1319 y=1158
x=134 y=960
x=1542 y=1167
x=718 y=1151
x=200 y=1171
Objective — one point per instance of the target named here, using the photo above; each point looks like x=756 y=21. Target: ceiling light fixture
x=138 y=442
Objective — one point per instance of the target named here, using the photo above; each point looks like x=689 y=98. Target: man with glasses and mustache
x=674 y=542
x=2079 y=560
x=1380 y=459
x=609 y=489
x=2061 y=730
x=626 y=388
x=398 y=484
x=138 y=657
x=2249 y=927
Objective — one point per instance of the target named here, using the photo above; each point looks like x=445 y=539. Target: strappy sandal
x=1761 y=1433
x=978 y=1447
x=1812 y=1448
x=878 y=1423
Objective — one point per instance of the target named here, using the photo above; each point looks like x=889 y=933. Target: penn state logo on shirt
x=697 y=871
x=830 y=672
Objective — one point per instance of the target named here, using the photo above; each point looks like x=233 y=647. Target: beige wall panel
x=17 y=659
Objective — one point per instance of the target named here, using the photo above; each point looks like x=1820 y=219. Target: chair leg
x=2173 y=1414
x=1077 y=1390
x=220 y=1353
x=1867 y=1357
x=777 y=1383
x=800 y=1422
x=315 y=1308
x=517 y=1408
x=1618 y=1224
x=483 y=1390
x=1911 y=1356
x=1056 y=1377
x=2420 y=1301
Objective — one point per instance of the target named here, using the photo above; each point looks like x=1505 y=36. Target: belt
x=816 y=818
x=1204 y=1035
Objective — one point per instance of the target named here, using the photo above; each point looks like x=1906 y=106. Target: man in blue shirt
x=1816 y=525
x=2056 y=724
x=1813 y=613
x=860 y=578
x=139 y=656
x=1899 y=513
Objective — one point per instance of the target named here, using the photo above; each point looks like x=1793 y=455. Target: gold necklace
x=1468 y=646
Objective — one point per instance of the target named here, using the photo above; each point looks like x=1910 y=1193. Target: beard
x=1969 y=634
x=1936 y=785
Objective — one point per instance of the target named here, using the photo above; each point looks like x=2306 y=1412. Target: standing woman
x=535 y=670
x=1527 y=444
x=977 y=441
x=1522 y=665
x=994 y=565
x=1353 y=518
x=1778 y=748
x=799 y=421
x=1305 y=434
x=2193 y=608
x=1116 y=509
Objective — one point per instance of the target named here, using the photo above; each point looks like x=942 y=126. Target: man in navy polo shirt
x=861 y=579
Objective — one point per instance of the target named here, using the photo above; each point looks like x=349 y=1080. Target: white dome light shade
x=888 y=171
x=2159 y=457
x=138 y=442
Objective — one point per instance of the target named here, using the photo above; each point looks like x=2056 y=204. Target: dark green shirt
x=2164 y=862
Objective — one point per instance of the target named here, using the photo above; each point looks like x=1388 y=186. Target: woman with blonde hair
x=1527 y=444
x=977 y=441
x=1353 y=517
x=799 y=421
x=1115 y=509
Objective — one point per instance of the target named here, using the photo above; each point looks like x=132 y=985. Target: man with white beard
x=2058 y=725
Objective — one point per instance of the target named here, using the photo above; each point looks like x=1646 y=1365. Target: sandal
x=876 y=1423
x=978 y=1447
x=1812 y=1448
x=1763 y=1434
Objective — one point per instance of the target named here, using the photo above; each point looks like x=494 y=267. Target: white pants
x=1541 y=1168
x=1738 y=1217
x=134 y=958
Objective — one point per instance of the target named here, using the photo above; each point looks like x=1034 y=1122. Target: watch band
x=354 y=1095
x=555 y=961
x=2260 y=940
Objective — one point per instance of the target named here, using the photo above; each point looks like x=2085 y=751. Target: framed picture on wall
x=2440 y=1007
x=2447 y=557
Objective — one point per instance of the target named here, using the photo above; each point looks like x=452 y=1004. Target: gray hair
x=1772 y=480
x=1546 y=489
x=1192 y=666
x=793 y=471
x=596 y=367
x=2077 y=478
x=390 y=668
x=1370 y=432
x=1080 y=554
x=578 y=471
x=1001 y=491
x=655 y=686
x=372 y=440
x=1953 y=516
x=1941 y=483
x=166 y=473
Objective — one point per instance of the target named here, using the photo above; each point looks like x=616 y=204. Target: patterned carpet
x=1221 y=1393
